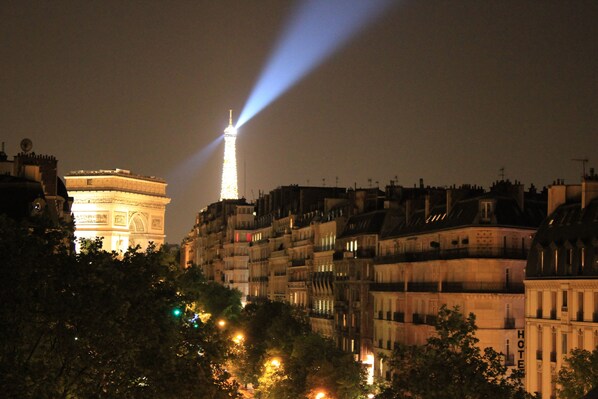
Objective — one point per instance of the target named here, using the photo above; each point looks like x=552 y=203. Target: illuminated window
x=486 y=211
x=541 y=261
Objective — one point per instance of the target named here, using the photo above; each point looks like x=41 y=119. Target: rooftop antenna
x=584 y=162
x=502 y=173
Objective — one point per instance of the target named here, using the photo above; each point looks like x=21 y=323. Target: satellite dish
x=26 y=145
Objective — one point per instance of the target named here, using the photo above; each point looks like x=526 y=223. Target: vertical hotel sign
x=520 y=358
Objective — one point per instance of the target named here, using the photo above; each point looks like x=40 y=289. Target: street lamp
x=275 y=362
x=321 y=395
x=237 y=339
x=221 y=323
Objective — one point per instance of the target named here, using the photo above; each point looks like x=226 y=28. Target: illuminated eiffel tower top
x=229 y=188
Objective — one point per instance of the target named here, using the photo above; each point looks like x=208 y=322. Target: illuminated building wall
x=469 y=253
x=123 y=208
x=561 y=284
x=229 y=188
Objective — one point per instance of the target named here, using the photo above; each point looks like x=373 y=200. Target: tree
x=579 y=375
x=213 y=298
x=451 y=365
x=304 y=362
x=96 y=324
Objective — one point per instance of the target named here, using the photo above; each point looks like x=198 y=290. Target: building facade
x=561 y=285
x=122 y=208
x=463 y=248
x=30 y=186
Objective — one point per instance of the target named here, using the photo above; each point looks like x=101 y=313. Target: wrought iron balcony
x=494 y=252
x=388 y=287
x=538 y=355
x=418 y=318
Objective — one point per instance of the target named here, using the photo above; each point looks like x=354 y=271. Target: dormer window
x=486 y=210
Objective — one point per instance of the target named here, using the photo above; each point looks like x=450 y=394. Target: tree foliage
x=451 y=365
x=579 y=374
x=96 y=324
x=308 y=362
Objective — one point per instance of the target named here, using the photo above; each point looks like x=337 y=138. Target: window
x=541 y=261
x=486 y=210
x=569 y=261
x=564 y=301
x=580 y=306
x=564 y=349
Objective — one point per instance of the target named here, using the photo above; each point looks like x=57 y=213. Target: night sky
x=449 y=91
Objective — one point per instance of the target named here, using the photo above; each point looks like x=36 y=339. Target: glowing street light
x=221 y=323
x=275 y=362
x=239 y=338
x=321 y=395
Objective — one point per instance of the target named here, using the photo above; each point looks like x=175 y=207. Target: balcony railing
x=482 y=287
x=595 y=317
x=388 y=287
x=297 y=262
x=455 y=253
x=553 y=314
x=538 y=313
x=320 y=315
x=538 y=355
x=579 y=315
x=418 y=318
x=422 y=286
x=388 y=315
x=380 y=315
x=553 y=357
x=450 y=286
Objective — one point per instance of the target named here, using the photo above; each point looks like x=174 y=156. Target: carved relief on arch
x=137 y=223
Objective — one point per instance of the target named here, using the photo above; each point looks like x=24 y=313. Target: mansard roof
x=570 y=223
x=467 y=212
x=365 y=223
x=17 y=195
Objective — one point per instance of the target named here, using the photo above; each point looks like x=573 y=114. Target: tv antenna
x=584 y=162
